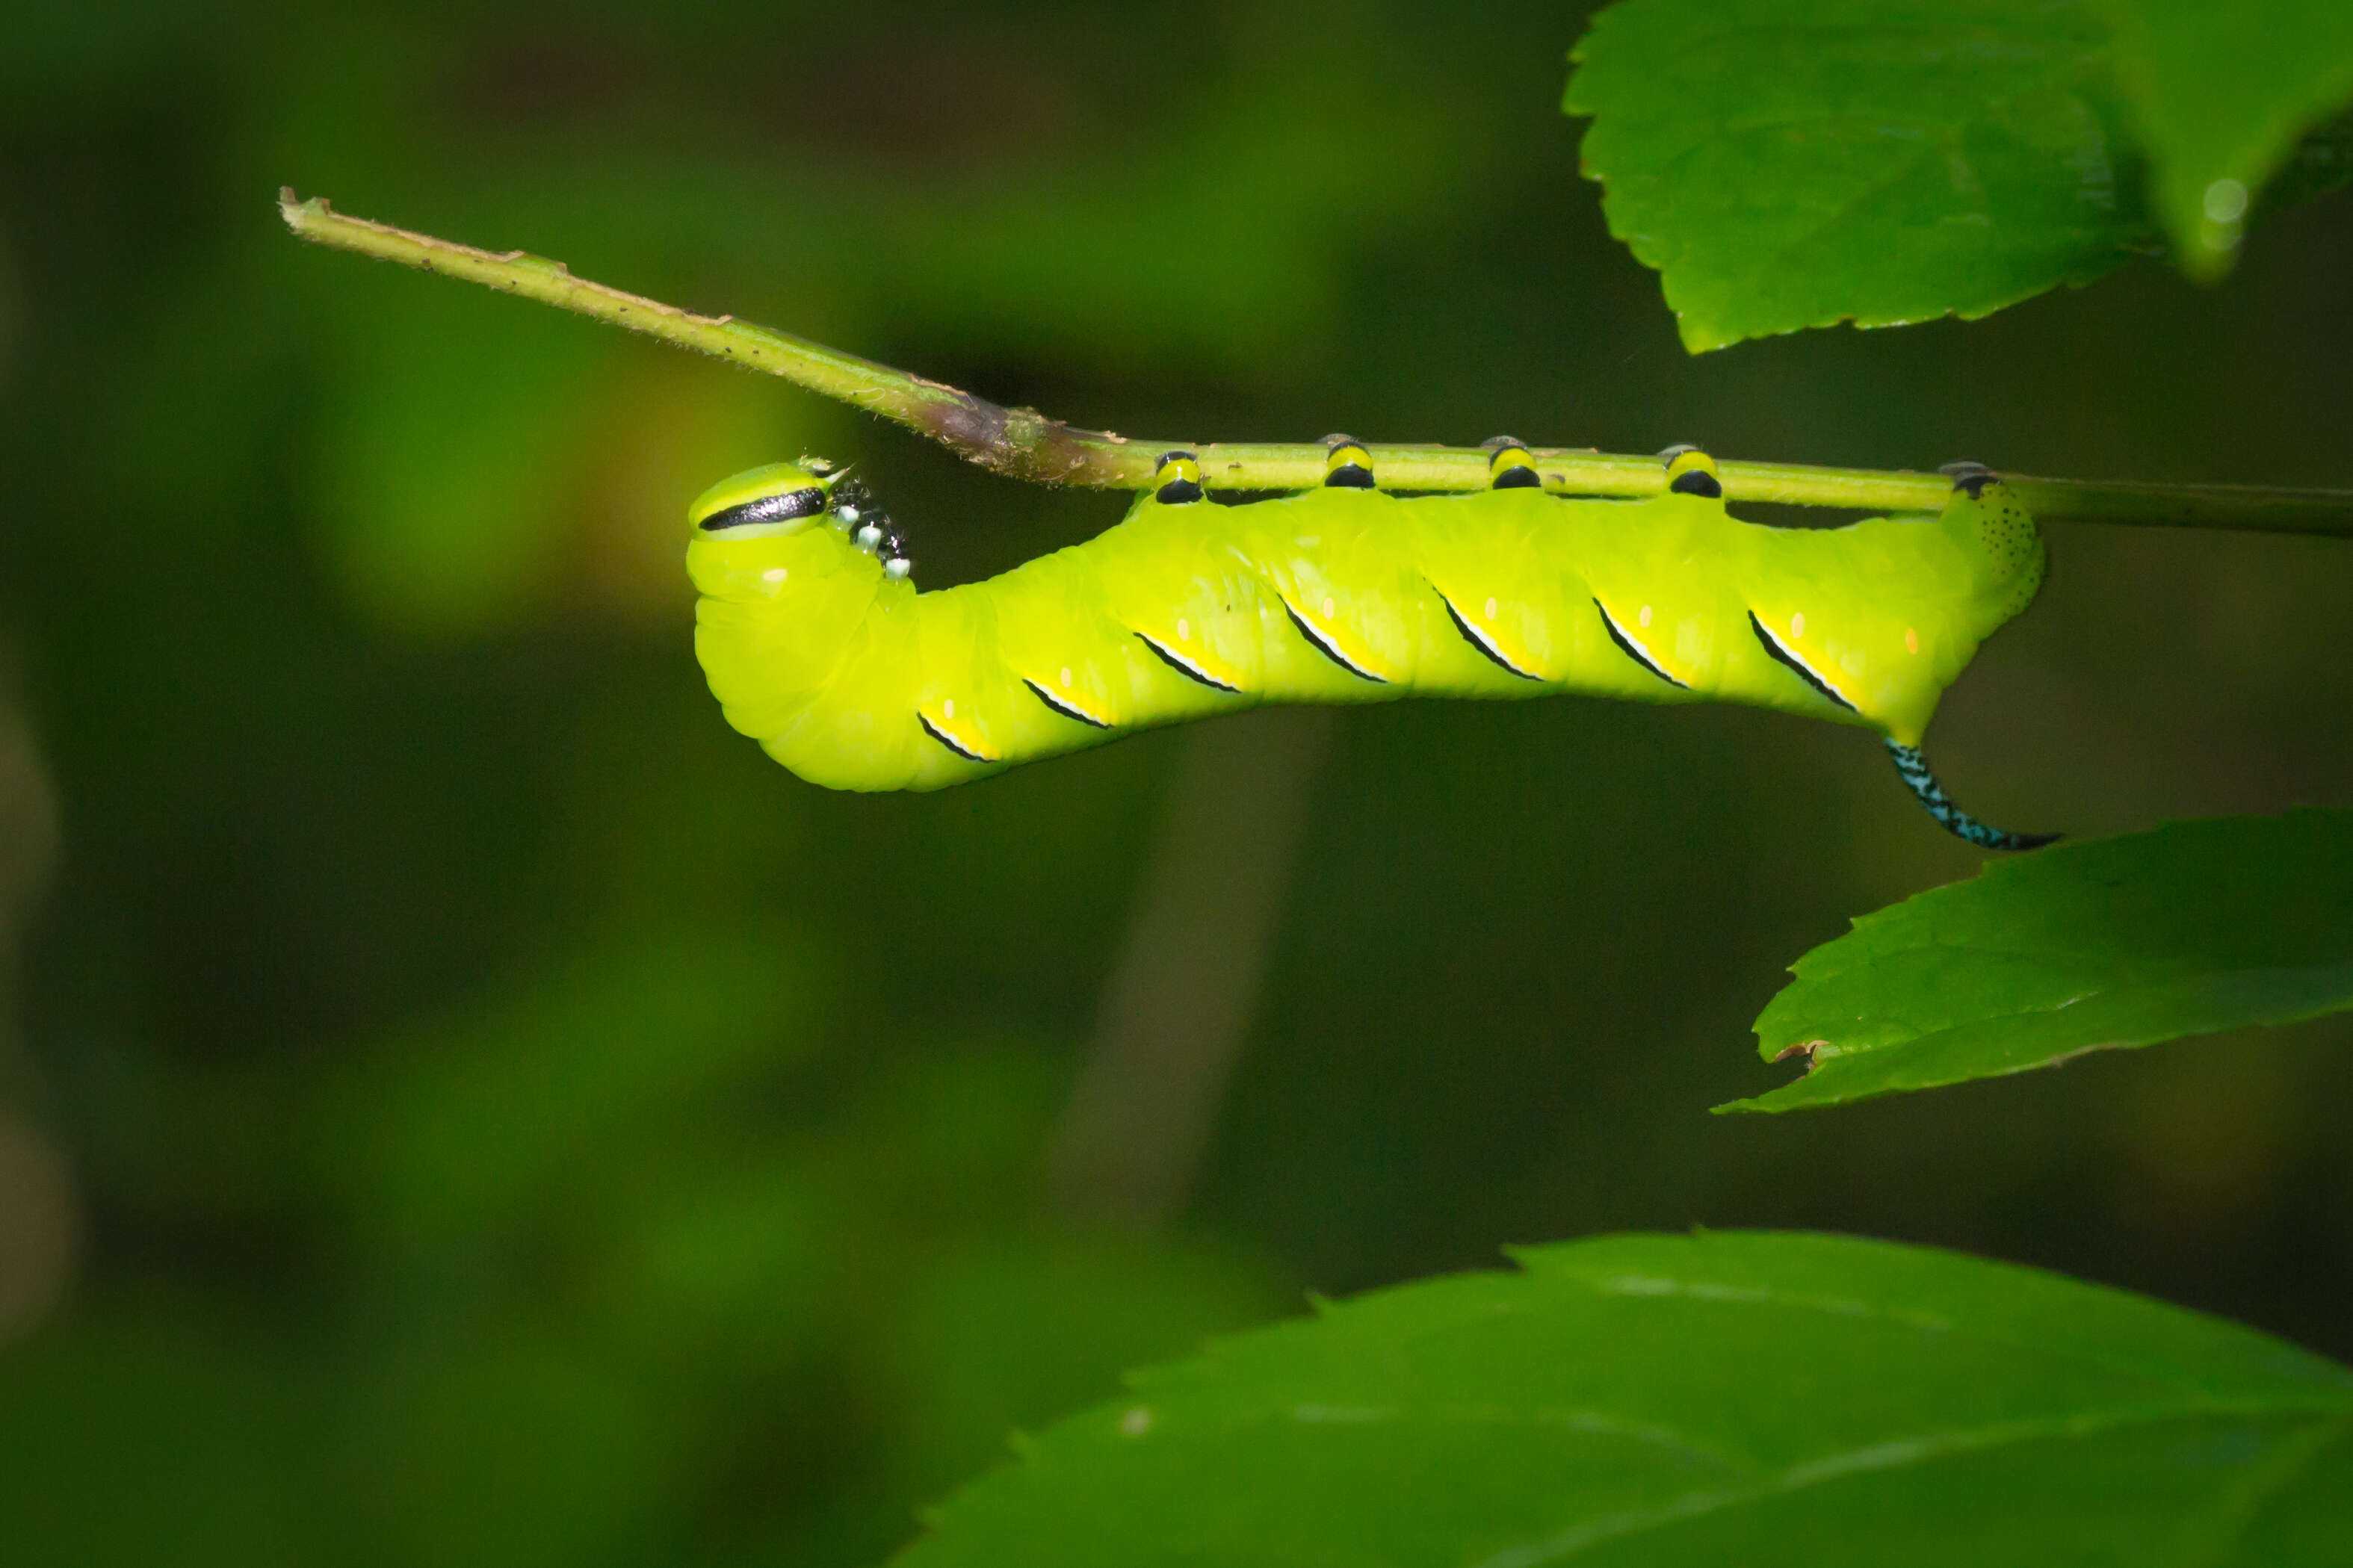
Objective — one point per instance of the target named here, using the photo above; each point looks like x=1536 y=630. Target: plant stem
x=1023 y=444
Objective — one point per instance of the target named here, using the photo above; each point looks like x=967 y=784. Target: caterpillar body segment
x=819 y=645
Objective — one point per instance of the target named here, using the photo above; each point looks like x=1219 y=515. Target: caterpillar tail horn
x=1913 y=768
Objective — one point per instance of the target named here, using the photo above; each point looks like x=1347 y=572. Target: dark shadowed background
x=459 y=1102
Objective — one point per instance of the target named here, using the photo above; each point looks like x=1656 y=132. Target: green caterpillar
x=819 y=647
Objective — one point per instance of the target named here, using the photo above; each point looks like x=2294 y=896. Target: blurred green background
x=459 y=1102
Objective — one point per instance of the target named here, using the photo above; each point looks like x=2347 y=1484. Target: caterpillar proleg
x=818 y=645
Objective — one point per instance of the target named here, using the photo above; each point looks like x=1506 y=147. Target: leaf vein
x=1872 y=1457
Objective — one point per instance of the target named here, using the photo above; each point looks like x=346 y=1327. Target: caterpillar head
x=765 y=503
x=783 y=498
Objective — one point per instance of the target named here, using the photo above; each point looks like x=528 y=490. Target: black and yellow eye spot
x=1346 y=464
x=1511 y=469
x=1692 y=472
x=1178 y=480
x=780 y=497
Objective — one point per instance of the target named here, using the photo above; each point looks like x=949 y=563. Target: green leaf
x=1790 y=163
x=1753 y=1398
x=2193 y=927
x=2221 y=93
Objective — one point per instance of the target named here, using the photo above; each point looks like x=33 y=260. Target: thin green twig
x=1024 y=444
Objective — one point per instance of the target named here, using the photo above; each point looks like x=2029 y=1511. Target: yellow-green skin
x=853 y=679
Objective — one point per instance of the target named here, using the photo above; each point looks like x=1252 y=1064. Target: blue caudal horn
x=1914 y=769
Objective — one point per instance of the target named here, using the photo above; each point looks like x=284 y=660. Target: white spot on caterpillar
x=1066 y=675
x=1912 y=640
x=1797 y=624
x=948 y=707
x=1491 y=609
x=1136 y=1421
x=1644 y=618
x=1329 y=609
x=773 y=574
x=1184 y=629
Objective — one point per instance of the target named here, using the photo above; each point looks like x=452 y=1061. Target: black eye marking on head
x=808 y=502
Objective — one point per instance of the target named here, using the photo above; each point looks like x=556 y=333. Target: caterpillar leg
x=1968 y=475
x=1178 y=480
x=1913 y=768
x=1692 y=472
x=1509 y=467
x=870 y=528
x=1346 y=465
